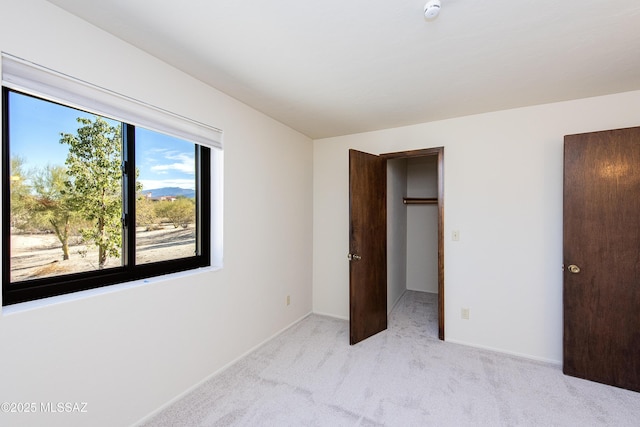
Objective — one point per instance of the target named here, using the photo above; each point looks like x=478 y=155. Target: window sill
x=90 y=293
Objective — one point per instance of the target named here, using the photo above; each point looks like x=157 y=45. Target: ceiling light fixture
x=432 y=9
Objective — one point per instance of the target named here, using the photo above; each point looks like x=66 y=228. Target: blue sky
x=163 y=161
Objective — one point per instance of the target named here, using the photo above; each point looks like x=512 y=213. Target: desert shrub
x=180 y=212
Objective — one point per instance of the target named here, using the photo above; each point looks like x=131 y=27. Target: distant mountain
x=170 y=191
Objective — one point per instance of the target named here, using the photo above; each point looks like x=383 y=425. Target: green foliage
x=53 y=209
x=94 y=182
x=180 y=212
x=145 y=213
x=21 y=200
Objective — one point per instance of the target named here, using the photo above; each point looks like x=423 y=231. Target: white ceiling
x=337 y=67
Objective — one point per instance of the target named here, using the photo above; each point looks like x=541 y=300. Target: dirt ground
x=40 y=255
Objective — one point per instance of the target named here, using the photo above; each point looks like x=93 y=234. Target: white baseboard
x=502 y=351
x=330 y=315
x=393 y=306
x=218 y=371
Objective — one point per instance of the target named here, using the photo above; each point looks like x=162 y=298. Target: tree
x=180 y=212
x=94 y=183
x=145 y=212
x=53 y=206
x=21 y=199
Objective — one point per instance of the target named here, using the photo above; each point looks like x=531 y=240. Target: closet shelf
x=420 y=201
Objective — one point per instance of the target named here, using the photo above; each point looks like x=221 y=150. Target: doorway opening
x=415 y=213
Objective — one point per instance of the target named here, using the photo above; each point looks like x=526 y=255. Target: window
x=91 y=200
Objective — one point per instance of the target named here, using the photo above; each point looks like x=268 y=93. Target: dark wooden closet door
x=367 y=245
x=602 y=257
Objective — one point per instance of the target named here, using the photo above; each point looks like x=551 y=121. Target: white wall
x=503 y=192
x=422 y=225
x=396 y=231
x=128 y=352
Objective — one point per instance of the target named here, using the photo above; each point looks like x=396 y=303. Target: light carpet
x=405 y=376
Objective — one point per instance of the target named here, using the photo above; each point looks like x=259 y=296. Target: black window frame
x=33 y=289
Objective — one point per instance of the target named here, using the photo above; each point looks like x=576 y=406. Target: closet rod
x=420 y=201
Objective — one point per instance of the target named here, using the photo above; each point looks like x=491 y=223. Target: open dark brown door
x=367 y=245
x=602 y=257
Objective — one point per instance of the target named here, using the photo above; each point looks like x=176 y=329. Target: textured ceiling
x=339 y=67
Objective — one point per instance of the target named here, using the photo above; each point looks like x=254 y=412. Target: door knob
x=355 y=257
x=573 y=269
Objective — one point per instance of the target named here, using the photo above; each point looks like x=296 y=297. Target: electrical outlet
x=464 y=313
x=288 y=299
